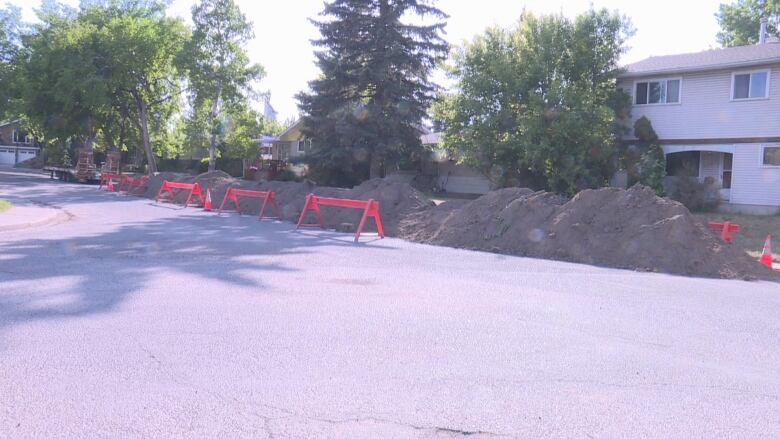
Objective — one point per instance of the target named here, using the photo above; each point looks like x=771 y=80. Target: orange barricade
x=232 y=194
x=106 y=177
x=130 y=184
x=370 y=209
x=725 y=229
x=168 y=187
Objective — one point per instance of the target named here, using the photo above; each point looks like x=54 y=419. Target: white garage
x=11 y=155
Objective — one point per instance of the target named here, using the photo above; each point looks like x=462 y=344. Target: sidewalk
x=22 y=216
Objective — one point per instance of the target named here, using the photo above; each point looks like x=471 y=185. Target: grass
x=753 y=231
x=4 y=205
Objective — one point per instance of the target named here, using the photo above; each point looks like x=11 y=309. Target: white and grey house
x=717 y=115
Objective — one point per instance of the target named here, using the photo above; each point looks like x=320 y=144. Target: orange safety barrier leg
x=159 y=193
x=371 y=211
x=270 y=198
x=225 y=199
x=311 y=203
x=363 y=219
x=378 y=221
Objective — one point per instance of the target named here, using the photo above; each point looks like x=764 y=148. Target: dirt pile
x=397 y=199
x=610 y=227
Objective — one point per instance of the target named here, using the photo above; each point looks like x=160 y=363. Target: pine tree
x=364 y=111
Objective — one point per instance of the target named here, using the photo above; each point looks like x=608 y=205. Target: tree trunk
x=89 y=142
x=213 y=136
x=376 y=169
x=143 y=125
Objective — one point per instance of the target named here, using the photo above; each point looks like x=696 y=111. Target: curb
x=61 y=217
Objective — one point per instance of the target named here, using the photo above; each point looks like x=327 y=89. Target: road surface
x=132 y=319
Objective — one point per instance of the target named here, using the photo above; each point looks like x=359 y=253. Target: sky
x=283 y=31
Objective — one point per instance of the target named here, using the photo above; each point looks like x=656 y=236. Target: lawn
x=753 y=230
x=4 y=205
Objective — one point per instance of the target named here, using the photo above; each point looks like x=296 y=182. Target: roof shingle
x=708 y=60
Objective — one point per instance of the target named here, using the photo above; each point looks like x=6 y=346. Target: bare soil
x=631 y=229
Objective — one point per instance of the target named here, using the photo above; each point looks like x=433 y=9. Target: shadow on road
x=56 y=278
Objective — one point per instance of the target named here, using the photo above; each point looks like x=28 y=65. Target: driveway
x=133 y=319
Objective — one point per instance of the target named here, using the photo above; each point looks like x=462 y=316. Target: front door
x=727 y=162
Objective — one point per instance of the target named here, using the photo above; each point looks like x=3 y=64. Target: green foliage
x=697 y=196
x=10 y=46
x=242 y=131
x=740 y=21
x=536 y=105
x=104 y=72
x=220 y=73
x=363 y=112
x=650 y=167
x=141 y=48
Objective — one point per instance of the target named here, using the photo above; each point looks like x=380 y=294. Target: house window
x=303 y=144
x=750 y=85
x=20 y=137
x=771 y=156
x=663 y=91
x=728 y=161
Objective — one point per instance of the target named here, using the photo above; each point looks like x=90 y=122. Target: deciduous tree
x=219 y=69
x=740 y=21
x=536 y=104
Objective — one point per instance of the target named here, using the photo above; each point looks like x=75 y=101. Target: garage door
x=25 y=155
x=7 y=156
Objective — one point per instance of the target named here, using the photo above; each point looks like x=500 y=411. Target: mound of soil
x=610 y=227
x=397 y=199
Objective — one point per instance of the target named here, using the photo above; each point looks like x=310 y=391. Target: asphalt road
x=140 y=320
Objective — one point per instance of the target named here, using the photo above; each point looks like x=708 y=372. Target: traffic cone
x=110 y=185
x=766 y=255
x=207 y=204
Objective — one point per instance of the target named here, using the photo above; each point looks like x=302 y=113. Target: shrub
x=694 y=194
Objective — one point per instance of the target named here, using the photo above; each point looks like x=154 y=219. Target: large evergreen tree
x=365 y=109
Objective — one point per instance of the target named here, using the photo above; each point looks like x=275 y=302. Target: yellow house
x=291 y=144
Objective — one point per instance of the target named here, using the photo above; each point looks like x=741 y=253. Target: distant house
x=717 y=114
x=291 y=143
x=446 y=173
x=16 y=145
x=450 y=176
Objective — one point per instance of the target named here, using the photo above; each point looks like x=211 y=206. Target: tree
x=140 y=47
x=10 y=45
x=537 y=104
x=650 y=168
x=365 y=109
x=740 y=21
x=219 y=69
x=243 y=128
x=60 y=88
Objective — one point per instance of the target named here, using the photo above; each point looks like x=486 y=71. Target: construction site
x=630 y=229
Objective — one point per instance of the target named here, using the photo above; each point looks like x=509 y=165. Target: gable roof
x=730 y=57
x=9 y=122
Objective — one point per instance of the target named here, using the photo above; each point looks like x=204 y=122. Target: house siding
x=706 y=110
x=461 y=179
x=753 y=183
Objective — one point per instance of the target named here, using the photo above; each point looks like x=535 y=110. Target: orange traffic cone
x=110 y=185
x=766 y=255
x=207 y=204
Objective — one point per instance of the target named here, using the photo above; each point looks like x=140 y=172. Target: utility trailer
x=85 y=170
